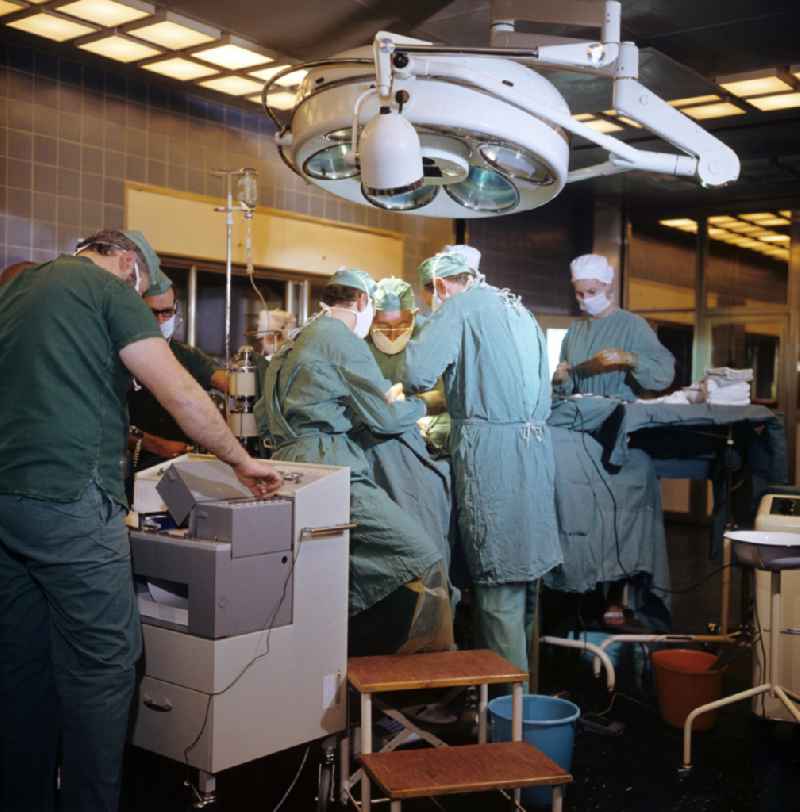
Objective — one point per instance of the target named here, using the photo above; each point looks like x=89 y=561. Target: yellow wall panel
x=186 y=225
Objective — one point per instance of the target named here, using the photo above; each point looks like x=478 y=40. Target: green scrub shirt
x=492 y=357
x=319 y=390
x=64 y=415
x=149 y=415
x=622 y=330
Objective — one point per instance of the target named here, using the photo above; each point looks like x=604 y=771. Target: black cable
x=268 y=629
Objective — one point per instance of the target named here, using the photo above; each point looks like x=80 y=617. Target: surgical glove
x=606 y=360
x=394 y=393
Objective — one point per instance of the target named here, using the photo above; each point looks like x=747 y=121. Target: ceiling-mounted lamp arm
x=383 y=48
x=711 y=161
x=717 y=163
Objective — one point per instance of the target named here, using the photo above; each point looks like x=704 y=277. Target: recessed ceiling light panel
x=232 y=56
x=49 y=26
x=120 y=49
x=174 y=35
x=177 y=67
x=107 y=13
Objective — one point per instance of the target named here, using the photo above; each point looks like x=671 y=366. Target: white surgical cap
x=472 y=256
x=592 y=266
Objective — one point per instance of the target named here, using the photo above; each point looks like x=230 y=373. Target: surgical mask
x=594 y=305
x=364 y=320
x=389 y=346
x=168 y=327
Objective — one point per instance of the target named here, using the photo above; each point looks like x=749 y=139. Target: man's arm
x=152 y=363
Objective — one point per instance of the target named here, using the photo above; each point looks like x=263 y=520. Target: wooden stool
x=472 y=768
x=444 y=669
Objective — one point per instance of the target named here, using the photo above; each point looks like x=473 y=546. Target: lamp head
x=390 y=155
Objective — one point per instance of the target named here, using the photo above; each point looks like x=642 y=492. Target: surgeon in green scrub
x=154 y=435
x=402 y=465
x=70 y=633
x=610 y=352
x=320 y=391
x=613 y=353
x=492 y=356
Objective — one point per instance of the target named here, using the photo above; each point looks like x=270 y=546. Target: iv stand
x=228 y=209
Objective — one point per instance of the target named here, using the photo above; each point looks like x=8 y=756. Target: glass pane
x=748 y=259
x=755 y=345
x=676 y=332
x=661 y=264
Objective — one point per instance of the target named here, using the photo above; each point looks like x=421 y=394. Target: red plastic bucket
x=686 y=679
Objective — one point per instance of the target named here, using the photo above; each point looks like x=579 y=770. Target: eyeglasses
x=164 y=312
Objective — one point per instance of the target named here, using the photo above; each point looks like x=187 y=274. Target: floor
x=742 y=765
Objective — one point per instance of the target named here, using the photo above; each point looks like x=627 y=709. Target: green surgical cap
x=442 y=265
x=159 y=281
x=354 y=278
x=394 y=294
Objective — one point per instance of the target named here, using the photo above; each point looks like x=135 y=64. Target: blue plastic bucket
x=548 y=724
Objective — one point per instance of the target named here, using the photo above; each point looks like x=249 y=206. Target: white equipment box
x=778 y=511
x=214 y=699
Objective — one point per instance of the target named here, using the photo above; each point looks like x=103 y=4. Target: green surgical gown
x=492 y=357
x=654 y=371
x=319 y=391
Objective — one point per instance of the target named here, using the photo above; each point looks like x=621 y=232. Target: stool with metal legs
x=774 y=552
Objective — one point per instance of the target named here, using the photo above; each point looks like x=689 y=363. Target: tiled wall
x=72 y=130
x=530 y=252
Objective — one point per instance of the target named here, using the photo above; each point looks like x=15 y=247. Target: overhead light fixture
x=775 y=238
x=7 y=7
x=718 y=233
x=775 y=221
x=786 y=213
x=781 y=101
x=754 y=83
x=741 y=228
x=292 y=79
x=719 y=219
x=497 y=143
x=175 y=32
x=624 y=119
x=281 y=100
x=602 y=126
x=679 y=222
x=289 y=80
x=177 y=67
x=107 y=13
x=119 y=48
x=712 y=97
x=233 y=55
x=757 y=217
x=49 y=26
x=715 y=110
x=232 y=85
x=267 y=73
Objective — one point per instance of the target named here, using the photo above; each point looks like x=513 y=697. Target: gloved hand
x=563 y=371
x=394 y=393
x=606 y=360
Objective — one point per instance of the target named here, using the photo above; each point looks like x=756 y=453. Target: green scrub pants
x=504 y=618
x=69 y=641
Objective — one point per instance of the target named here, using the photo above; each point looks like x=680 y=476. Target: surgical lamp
x=447 y=131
